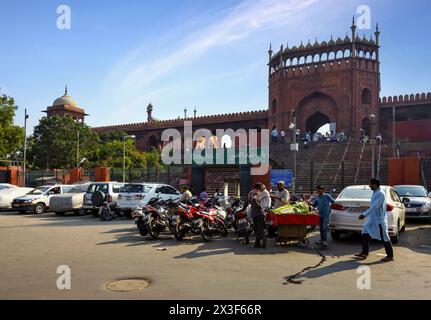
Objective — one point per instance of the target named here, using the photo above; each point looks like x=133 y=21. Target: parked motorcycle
x=152 y=218
x=191 y=218
x=242 y=223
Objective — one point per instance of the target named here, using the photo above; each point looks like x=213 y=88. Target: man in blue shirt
x=323 y=203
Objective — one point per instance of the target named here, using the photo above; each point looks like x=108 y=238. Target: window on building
x=366 y=96
x=274 y=106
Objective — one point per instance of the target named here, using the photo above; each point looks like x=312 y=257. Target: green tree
x=110 y=152
x=11 y=136
x=55 y=143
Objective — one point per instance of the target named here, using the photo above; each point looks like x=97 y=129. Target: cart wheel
x=304 y=242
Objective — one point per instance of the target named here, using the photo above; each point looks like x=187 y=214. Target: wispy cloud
x=133 y=75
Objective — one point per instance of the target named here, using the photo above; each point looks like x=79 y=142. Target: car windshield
x=356 y=194
x=411 y=191
x=98 y=187
x=136 y=188
x=40 y=190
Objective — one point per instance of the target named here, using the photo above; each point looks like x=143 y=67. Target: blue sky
x=209 y=54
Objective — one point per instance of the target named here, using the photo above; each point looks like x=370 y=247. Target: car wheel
x=60 y=213
x=335 y=235
x=39 y=208
x=396 y=238
x=403 y=228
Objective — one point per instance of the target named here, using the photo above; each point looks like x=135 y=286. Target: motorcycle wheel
x=222 y=227
x=206 y=233
x=152 y=229
x=143 y=231
x=178 y=234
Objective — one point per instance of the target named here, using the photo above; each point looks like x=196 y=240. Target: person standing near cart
x=260 y=202
x=281 y=197
x=323 y=204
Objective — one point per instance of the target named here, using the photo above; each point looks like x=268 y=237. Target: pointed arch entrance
x=316 y=121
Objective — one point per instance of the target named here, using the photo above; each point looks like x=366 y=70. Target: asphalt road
x=32 y=247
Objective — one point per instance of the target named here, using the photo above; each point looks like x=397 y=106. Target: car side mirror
x=178 y=193
x=429 y=195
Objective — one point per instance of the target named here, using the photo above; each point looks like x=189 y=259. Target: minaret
x=353 y=27
x=194 y=113
x=185 y=113
x=270 y=57
x=377 y=34
x=149 y=113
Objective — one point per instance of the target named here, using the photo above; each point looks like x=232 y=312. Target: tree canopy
x=11 y=136
x=55 y=142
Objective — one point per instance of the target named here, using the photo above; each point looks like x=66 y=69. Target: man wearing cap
x=323 y=203
x=281 y=196
x=376 y=226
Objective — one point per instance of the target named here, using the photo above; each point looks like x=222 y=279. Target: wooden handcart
x=293 y=227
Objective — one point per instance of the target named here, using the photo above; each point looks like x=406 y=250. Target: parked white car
x=7 y=194
x=100 y=192
x=134 y=195
x=71 y=201
x=354 y=201
x=37 y=200
x=6 y=186
x=416 y=199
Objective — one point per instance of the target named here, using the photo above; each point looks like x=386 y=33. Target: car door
x=53 y=191
x=116 y=187
x=163 y=192
x=169 y=193
x=399 y=207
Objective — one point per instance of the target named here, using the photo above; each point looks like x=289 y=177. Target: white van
x=37 y=200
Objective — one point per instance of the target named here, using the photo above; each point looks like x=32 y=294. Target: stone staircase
x=331 y=164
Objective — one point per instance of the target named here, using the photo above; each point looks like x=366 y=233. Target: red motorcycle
x=192 y=219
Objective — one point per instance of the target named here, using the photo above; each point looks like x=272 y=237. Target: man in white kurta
x=376 y=226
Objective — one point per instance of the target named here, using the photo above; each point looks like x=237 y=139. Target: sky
x=118 y=56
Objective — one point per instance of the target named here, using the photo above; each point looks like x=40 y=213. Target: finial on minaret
x=65 y=90
x=353 y=28
x=194 y=112
x=149 y=113
x=270 y=50
x=377 y=33
x=185 y=113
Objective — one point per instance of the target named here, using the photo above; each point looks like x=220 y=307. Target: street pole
x=293 y=125
x=373 y=144
x=393 y=132
x=25 y=146
x=124 y=159
x=77 y=152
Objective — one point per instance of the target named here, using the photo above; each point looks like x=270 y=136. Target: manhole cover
x=128 y=285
